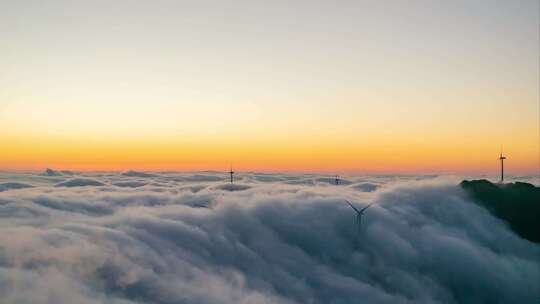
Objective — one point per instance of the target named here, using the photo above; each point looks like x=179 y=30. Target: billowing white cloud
x=13 y=185
x=271 y=242
x=132 y=173
x=79 y=182
x=131 y=184
x=365 y=187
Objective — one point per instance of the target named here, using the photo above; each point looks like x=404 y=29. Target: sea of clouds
x=269 y=238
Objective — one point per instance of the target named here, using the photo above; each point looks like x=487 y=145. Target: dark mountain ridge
x=516 y=203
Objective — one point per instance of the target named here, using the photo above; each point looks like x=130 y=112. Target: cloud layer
x=150 y=239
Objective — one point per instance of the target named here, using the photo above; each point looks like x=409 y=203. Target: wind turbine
x=502 y=158
x=358 y=213
x=231 y=172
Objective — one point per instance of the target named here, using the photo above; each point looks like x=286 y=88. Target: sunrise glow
x=362 y=88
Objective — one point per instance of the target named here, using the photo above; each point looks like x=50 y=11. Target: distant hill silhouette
x=516 y=203
x=51 y=172
x=132 y=173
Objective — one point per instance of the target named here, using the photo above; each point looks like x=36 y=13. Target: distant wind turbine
x=231 y=172
x=502 y=158
x=358 y=213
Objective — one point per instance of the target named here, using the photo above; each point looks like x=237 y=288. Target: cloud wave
x=270 y=243
x=79 y=182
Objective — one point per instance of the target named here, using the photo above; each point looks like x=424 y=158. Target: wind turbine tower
x=502 y=158
x=231 y=173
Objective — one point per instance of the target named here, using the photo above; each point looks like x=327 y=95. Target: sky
x=315 y=86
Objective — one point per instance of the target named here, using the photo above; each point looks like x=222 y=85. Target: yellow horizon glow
x=292 y=155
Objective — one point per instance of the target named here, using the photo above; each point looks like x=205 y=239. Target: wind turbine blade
x=352 y=206
x=362 y=210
